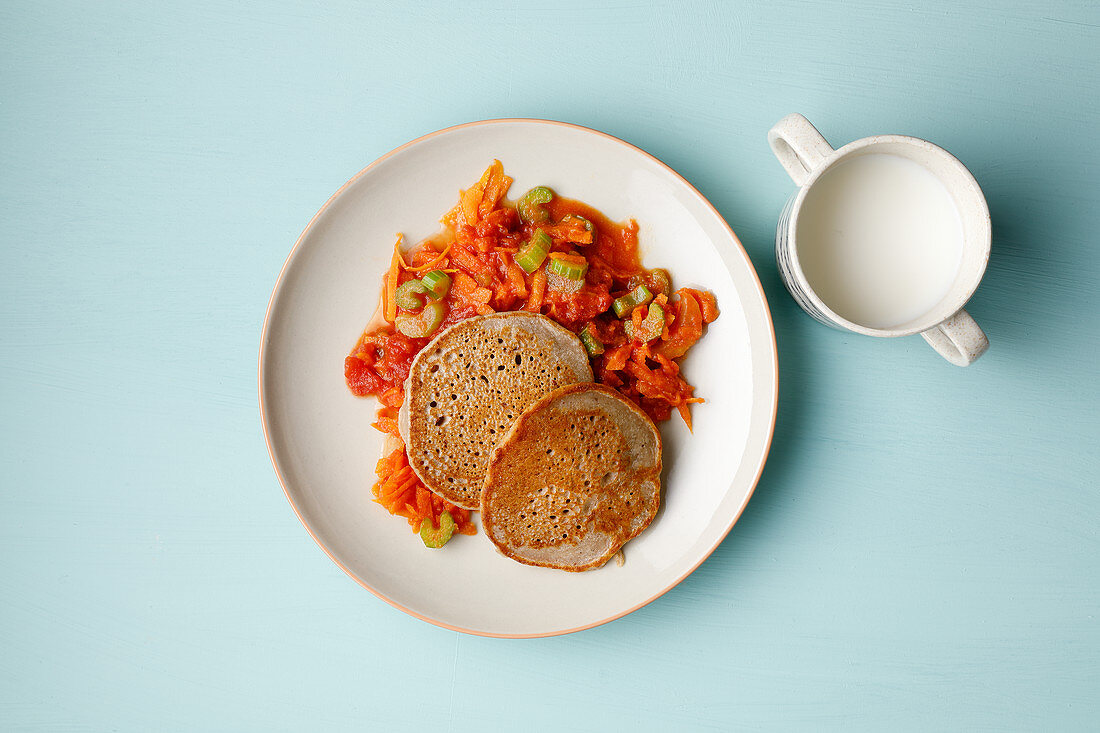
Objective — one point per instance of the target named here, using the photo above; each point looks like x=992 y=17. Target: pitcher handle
x=959 y=339
x=799 y=146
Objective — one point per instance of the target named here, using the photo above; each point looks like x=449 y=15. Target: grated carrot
x=537 y=291
x=401 y=493
x=428 y=265
x=390 y=291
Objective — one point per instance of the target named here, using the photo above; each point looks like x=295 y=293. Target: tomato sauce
x=478 y=248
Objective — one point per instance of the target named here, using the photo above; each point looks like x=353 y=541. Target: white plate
x=324 y=449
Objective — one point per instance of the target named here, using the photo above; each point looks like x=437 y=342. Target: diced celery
x=651 y=326
x=436 y=538
x=592 y=345
x=532 y=254
x=530 y=205
x=410 y=295
x=567 y=268
x=422 y=324
x=438 y=283
x=625 y=305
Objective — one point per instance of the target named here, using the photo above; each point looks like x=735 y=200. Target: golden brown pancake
x=467 y=387
x=576 y=477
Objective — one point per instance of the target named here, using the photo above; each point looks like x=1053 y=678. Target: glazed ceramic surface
x=807 y=157
x=324 y=449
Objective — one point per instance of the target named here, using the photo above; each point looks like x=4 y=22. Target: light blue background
x=922 y=552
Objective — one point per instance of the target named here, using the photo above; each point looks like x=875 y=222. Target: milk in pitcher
x=880 y=240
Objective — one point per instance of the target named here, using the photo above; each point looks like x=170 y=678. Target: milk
x=880 y=240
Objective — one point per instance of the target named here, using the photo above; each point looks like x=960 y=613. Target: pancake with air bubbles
x=577 y=476
x=467 y=387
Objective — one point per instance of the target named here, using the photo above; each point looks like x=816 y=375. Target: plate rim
x=774 y=353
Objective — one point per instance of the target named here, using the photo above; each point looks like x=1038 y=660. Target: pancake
x=467 y=387
x=576 y=477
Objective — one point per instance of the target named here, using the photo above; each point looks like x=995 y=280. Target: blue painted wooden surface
x=922 y=552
